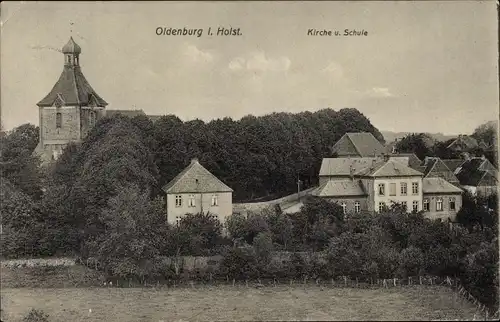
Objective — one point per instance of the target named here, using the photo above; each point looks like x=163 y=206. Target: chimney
x=466 y=156
x=194 y=160
x=372 y=166
x=483 y=157
x=385 y=157
x=351 y=171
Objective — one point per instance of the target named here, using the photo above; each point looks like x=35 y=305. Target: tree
x=134 y=235
x=281 y=228
x=23 y=225
x=263 y=245
x=418 y=143
x=487 y=133
x=196 y=234
x=411 y=261
x=17 y=162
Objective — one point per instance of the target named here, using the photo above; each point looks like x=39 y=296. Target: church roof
x=195 y=179
x=72 y=89
x=71 y=47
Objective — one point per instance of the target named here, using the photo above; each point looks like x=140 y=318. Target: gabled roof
x=340 y=188
x=346 y=166
x=438 y=185
x=412 y=160
x=464 y=140
x=342 y=166
x=73 y=90
x=389 y=168
x=453 y=164
x=472 y=171
x=195 y=179
x=435 y=167
x=362 y=144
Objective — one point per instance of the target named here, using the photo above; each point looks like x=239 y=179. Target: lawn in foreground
x=227 y=303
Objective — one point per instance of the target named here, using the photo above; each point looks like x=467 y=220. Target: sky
x=423 y=67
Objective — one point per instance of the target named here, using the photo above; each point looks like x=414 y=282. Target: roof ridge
x=352 y=142
x=435 y=159
x=73 y=73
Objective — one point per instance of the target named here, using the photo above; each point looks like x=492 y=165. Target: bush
x=36 y=315
x=240 y=263
x=263 y=246
x=411 y=262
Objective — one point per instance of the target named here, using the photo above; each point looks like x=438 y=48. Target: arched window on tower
x=58 y=120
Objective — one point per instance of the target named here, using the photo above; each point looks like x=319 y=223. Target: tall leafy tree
x=18 y=164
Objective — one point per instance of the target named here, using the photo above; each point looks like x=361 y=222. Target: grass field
x=228 y=303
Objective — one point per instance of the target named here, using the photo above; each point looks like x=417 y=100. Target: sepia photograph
x=249 y=161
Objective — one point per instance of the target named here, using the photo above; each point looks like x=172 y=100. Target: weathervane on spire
x=71 y=28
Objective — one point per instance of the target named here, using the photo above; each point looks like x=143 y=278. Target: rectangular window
x=177 y=220
x=357 y=207
x=178 y=201
x=191 y=201
x=58 y=120
x=452 y=204
x=392 y=189
x=381 y=206
x=215 y=200
x=414 y=188
x=404 y=188
x=439 y=204
x=426 y=204
x=381 y=189
x=344 y=207
x=404 y=205
x=415 y=205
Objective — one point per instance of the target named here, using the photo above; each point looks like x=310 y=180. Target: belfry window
x=58 y=120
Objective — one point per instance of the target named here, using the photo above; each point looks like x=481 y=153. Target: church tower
x=71 y=108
